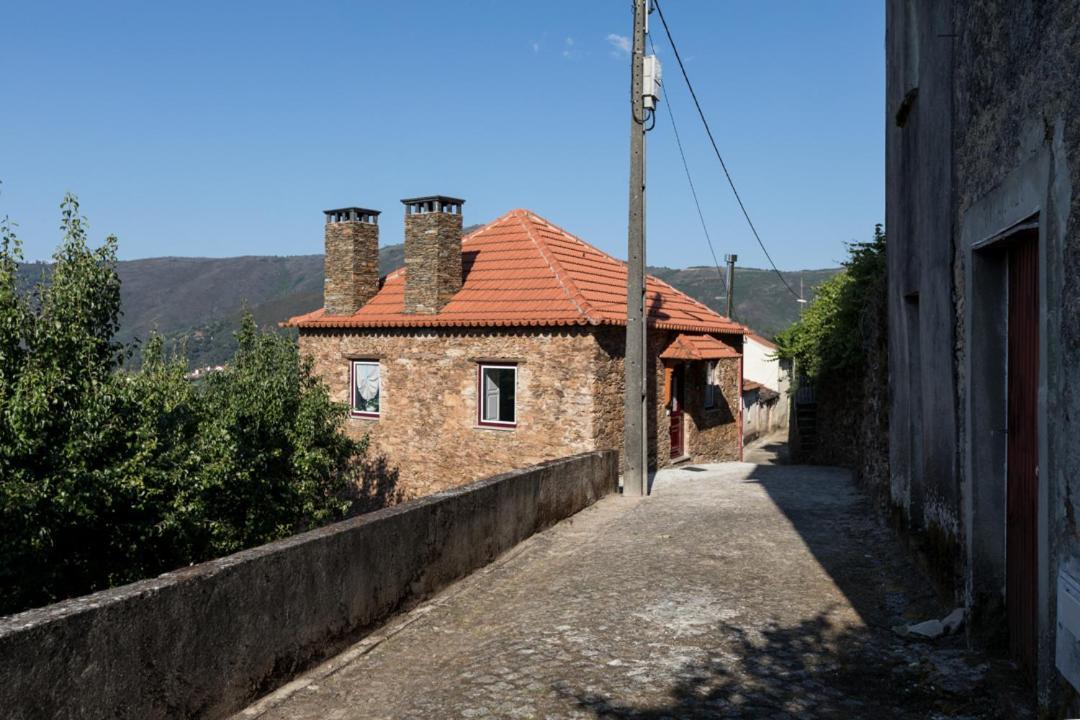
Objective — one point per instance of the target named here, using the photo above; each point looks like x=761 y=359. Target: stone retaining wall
x=206 y=640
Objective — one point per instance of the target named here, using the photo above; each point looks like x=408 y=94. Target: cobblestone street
x=736 y=590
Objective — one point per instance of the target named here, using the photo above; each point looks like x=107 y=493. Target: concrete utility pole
x=635 y=405
x=730 y=260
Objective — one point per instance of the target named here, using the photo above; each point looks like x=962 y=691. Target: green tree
x=830 y=338
x=272 y=459
x=108 y=475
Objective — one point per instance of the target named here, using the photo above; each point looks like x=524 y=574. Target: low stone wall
x=206 y=640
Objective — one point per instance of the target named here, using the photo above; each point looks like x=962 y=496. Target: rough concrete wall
x=992 y=135
x=924 y=487
x=428 y=430
x=432 y=260
x=761 y=417
x=351 y=266
x=712 y=434
x=1016 y=99
x=781 y=414
x=204 y=641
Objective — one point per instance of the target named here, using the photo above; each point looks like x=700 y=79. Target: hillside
x=196 y=303
x=761 y=300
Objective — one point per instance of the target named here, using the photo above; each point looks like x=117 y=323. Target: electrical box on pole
x=651 y=83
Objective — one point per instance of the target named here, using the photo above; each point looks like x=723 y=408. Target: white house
x=766 y=387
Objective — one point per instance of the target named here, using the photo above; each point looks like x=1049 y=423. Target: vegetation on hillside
x=761 y=300
x=831 y=337
x=109 y=474
x=196 y=304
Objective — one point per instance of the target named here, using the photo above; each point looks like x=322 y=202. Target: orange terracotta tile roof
x=697 y=347
x=522 y=270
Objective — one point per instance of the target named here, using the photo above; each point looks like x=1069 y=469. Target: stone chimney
x=352 y=259
x=432 y=252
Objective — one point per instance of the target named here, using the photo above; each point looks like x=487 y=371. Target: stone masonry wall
x=432 y=260
x=428 y=424
x=352 y=265
x=711 y=436
x=611 y=387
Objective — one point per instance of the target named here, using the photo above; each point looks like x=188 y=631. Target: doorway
x=675 y=411
x=1022 y=450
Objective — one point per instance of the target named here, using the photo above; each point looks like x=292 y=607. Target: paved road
x=736 y=590
x=771 y=449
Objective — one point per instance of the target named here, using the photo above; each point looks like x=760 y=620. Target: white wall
x=760 y=365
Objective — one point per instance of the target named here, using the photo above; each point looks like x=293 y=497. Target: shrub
x=830 y=338
x=108 y=475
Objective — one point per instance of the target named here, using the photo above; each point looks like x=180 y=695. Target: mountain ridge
x=196 y=303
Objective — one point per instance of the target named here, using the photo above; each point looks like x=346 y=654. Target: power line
x=708 y=131
x=693 y=190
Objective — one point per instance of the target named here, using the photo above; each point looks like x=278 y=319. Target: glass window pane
x=491 y=395
x=366 y=387
x=711 y=382
x=506 y=395
x=498 y=395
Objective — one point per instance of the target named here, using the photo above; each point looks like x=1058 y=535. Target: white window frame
x=353 y=411
x=481 y=396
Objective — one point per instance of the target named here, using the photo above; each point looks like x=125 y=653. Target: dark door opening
x=676 y=411
x=1022 y=475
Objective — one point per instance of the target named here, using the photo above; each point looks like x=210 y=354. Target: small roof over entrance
x=697 y=347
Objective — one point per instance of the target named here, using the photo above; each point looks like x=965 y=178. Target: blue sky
x=225 y=128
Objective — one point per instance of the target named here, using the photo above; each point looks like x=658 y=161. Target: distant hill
x=196 y=303
x=761 y=300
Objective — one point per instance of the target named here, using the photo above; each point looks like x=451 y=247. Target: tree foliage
x=108 y=475
x=829 y=339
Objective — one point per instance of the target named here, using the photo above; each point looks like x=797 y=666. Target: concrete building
x=766 y=388
x=505 y=348
x=983 y=223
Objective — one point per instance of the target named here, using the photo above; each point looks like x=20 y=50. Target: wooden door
x=1021 y=528
x=676 y=411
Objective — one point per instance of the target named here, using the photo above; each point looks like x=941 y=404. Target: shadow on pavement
x=817 y=669
x=811 y=669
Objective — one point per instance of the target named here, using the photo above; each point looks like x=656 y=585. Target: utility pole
x=635 y=405
x=730 y=260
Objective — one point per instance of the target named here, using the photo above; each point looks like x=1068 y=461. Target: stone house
x=983 y=222
x=505 y=348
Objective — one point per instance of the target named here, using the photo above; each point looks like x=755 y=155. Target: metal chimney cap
x=432 y=203
x=355 y=214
